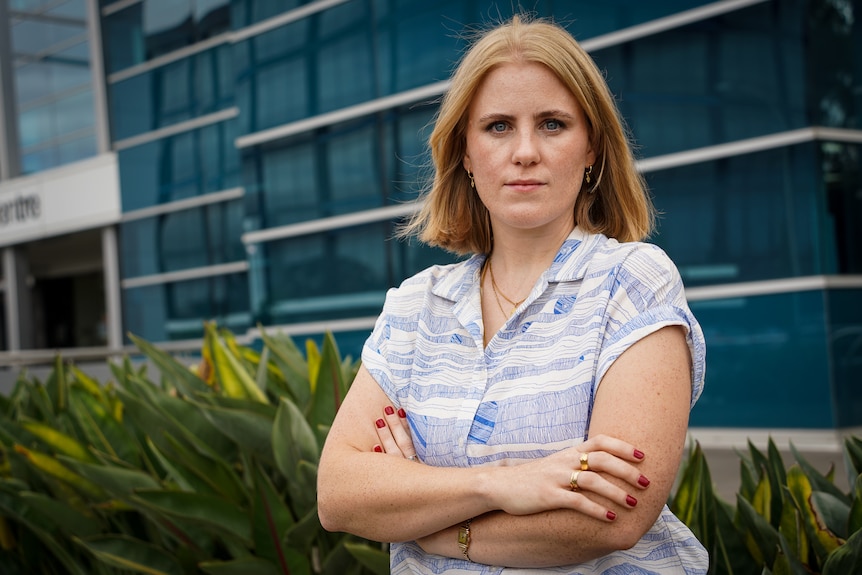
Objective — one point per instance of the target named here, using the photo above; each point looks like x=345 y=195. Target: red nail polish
x=380 y=423
x=611 y=515
x=378 y=449
x=643 y=481
x=638 y=454
x=401 y=413
x=388 y=410
x=631 y=501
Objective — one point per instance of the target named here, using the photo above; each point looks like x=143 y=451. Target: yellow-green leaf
x=59 y=441
x=132 y=554
x=52 y=467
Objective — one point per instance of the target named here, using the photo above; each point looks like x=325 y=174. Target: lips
x=524 y=185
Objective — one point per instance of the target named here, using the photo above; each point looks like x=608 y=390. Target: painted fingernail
x=389 y=410
x=401 y=412
x=611 y=515
x=638 y=454
x=631 y=501
x=643 y=481
x=380 y=423
x=378 y=449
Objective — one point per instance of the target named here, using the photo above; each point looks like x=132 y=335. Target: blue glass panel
x=368 y=163
x=842 y=177
x=335 y=275
x=180 y=240
x=177 y=167
x=181 y=90
x=751 y=217
x=177 y=311
x=123 y=38
x=731 y=77
x=845 y=343
x=767 y=362
x=151 y=28
x=247 y=12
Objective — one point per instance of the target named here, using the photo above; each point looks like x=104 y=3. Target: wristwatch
x=464 y=538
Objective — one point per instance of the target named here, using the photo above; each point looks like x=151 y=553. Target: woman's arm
x=393 y=499
x=644 y=399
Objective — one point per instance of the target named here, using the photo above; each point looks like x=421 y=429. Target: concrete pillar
x=111 y=272
x=19 y=305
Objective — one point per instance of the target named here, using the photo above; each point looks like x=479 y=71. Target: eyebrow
x=540 y=115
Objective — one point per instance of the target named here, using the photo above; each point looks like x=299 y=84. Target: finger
x=612 y=465
x=593 y=482
x=583 y=504
x=397 y=425
x=384 y=434
x=618 y=447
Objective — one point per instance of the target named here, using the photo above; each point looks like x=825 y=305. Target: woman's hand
x=394 y=434
x=563 y=479
x=560 y=481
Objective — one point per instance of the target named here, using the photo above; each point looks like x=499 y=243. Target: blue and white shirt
x=530 y=392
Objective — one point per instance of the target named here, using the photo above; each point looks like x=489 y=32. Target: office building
x=167 y=162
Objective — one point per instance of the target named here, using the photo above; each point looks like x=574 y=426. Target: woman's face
x=527 y=147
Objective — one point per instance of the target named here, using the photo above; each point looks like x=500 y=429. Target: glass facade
x=245 y=203
x=52 y=82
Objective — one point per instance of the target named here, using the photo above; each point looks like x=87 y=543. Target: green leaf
x=729 y=554
x=793 y=532
x=374 y=559
x=250 y=430
x=762 y=539
x=64 y=516
x=242 y=566
x=822 y=540
x=786 y=563
x=818 y=481
x=330 y=387
x=58 y=441
x=102 y=428
x=847 y=558
x=694 y=500
x=211 y=512
x=293 y=366
x=854 y=521
x=853 y=457
x=302 y=535
x=132 y=554
x=293 y=440
x=117 y=481
x=339 y=561
x=271 y=520
x=235 y=380
x=186 y=382
x=833 y=512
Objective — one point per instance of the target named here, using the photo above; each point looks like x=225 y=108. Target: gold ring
x=585 y=464
x=574 y=480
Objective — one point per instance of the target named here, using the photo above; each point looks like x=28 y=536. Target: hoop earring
x=472 y=181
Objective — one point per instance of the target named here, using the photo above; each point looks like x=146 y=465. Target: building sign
x=71 y=198
x=20 y=209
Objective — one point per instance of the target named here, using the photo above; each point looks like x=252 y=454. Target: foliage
x=206 y=470
x=786 y=520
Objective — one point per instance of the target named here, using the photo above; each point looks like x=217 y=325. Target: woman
x=544 y=383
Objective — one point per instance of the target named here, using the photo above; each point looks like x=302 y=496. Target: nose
x=526 y=150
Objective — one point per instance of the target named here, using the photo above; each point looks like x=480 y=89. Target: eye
x=498 y=127
x=554 y=125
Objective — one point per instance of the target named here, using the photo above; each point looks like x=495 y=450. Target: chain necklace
x=498 y=293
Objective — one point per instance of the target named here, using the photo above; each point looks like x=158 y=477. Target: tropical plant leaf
x=271 y=520
x=330 y=388
x=303 y=533
x=58 y=441
x=68 y=519
x=292 y=364
x=786 y=563
x=235 y=380
x=339 y=561
x=729 y=555
x=853 y=457
x=51 y=467
x=373 y=559
x=818 y=481
x=117 y=481
x=248 y=429
x=854 y=521
x=822 y=540
x=832 y=511
x=293 y=440
x=131 y=554
x=793 y=532
x=847 y=558
x=212 y=513
x=180 y=376
x=241 y=566
x=761 y=538
x=102 y=429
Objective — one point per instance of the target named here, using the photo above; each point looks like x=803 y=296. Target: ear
x=591 y=156
x=467 y=163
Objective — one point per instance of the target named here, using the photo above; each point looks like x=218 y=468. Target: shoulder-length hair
x=616 y=204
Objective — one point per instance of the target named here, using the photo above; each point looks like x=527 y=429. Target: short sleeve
x=647 y=294
x=376 y=348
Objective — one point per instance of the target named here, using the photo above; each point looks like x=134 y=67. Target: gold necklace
x=498 y=293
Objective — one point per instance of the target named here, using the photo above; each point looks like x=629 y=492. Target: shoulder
x=441 y=280
x=639 y=259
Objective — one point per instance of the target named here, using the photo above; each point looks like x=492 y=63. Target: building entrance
x=67 y=291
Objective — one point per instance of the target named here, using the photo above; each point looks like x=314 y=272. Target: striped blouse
x=529 y=393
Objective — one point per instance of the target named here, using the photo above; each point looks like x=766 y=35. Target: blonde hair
x=617 y=205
